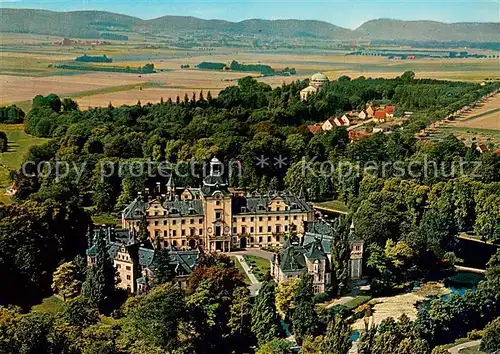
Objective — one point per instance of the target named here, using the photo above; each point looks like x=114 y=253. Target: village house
x=316 y=128
x=213 y=218
x=370 y=111
x=379 y=116
x=328 y=125
x=389 y=111
x=362 y=114
x=316 y=83
x=312 y=254
x=134 y=261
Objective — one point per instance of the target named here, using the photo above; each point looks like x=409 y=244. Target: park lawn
x=106 y=219
x=334 y=205
x=260 y=266
x=51 y=305
x=240 y=269
x=11 y=160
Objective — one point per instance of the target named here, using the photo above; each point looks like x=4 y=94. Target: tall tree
x=240 y=322
x=337 y=338
x=162 y=267
x=341 y=253
x=304 y=318
x=64 y=281
x=100 y=281
x=265 y=320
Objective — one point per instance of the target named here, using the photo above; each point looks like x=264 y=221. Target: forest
x=408 y=221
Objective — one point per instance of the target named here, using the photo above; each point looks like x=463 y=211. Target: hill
x=99 y=24
x=386 y=29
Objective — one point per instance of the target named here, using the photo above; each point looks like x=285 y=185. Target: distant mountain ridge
x=91 y=24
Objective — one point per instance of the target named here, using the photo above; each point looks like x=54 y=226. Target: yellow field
x=25 y=71
x=484 y=116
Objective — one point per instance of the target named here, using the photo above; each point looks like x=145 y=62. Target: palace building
x=312 y=254
x=215 y=218
x=134 y=261
x=316 y=83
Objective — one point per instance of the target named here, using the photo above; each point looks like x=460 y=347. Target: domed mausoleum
x=316 y=82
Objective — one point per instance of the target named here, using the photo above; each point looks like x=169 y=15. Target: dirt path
x=458 y=348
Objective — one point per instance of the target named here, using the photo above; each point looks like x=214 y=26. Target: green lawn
x=261 y=266
x=51 y=305
x=240 y=268
x=19 y=144
x=107 y=219
x=334 y=206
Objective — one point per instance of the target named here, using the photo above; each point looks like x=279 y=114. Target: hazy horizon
x=348 y=14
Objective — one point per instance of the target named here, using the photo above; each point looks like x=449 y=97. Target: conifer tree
x=341 y=253
x=265 y=320
x=100 y=281
x=304 y=318
x=337 y=338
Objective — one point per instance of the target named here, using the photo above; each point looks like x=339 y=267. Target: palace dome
x=319 y=77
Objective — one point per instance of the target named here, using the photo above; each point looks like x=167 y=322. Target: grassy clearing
x=51 y=305
x=334 y=206
x=261 y=266
x=357 y=301
x=106 y=219
x=19 y=144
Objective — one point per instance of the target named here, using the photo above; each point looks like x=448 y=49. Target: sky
x=345 y=13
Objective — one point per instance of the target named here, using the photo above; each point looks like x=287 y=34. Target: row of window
x=173 y=233
x=218 y=216
x=251 y=229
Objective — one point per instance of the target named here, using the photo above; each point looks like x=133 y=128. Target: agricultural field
x=19 y=144
x=27 y=68
x=479 y=125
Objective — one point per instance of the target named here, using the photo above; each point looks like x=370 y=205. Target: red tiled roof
x=314 y=128
x=358 y=135
x=379 y=114
x=389 y=109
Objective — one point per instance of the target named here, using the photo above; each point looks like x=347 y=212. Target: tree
x=64 y=281
x=341 y=253
x=240 y=321
x=265 y=321
x=3 y=142
x=285 y=293
x=100 y=281
x=158 y=315
x=162 y=267
x=304 y=318
x=491 y=339
x=337 y=338
x=32 y=333
x=276 y=346
x=77 y=313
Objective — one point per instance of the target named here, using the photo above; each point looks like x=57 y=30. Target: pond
x=460 y=282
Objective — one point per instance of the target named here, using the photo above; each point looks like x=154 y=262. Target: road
x=458 y=348
x=352 y=127
x=255 y=285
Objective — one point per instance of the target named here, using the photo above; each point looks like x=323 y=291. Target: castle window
x=201 y=232
x=174 y=233
x=251 y=219
x=260 y=218
x=118 y=266
x=183 y=232
x=278 y=209
x=251 y=229
x=260 y=239
x=269 y=229
x=165 y=222
x=156 y=223
x=165 y=233
x=157 y=233
x=277 y=218
x=200 y=221
x=183 y=221
x=174 y=222
x=128 y=277
x=278 y=228
x=243 y=219
x=268 y=218
x=218 y=231
x=295 y=217
x=286 y=227
x=235 y=231
x=277 y=238
x=260 y=228
x=191 y=221
x=243 y=209
x=286 y=217
x=218 y=215
x=217 y=202
x=174 y=242
x=243 y=229
x=268 y=239
x=127 y=267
